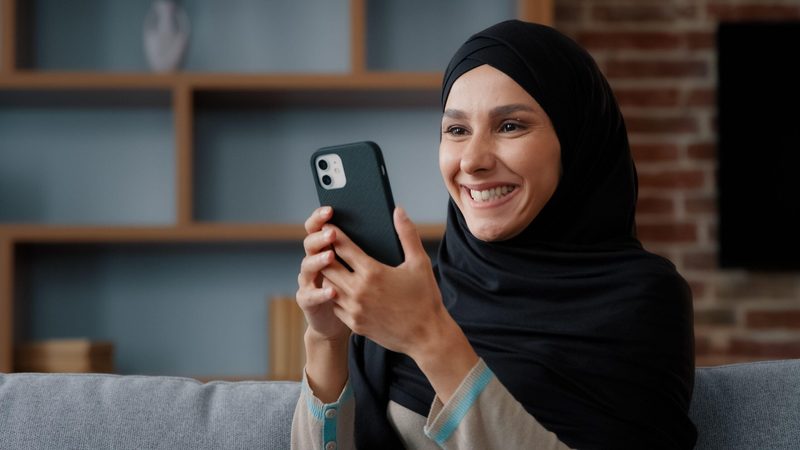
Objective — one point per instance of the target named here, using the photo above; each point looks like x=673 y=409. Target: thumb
x=409 y=237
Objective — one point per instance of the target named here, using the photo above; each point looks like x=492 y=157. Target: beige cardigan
x=481 y=414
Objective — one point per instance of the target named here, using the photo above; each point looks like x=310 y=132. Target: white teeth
x=490 y=194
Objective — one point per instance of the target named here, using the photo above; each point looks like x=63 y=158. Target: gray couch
x=746 y=406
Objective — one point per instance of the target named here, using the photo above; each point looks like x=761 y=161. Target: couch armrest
x=748 y=405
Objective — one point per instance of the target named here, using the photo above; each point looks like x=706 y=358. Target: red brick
x=626 y=68
x=756 y=285
x=702 y=97
x=673 y=232
x=654 y=152
x=712 y=231
x=702 y=345
x=567 y=13
x=700 y=205
x=719 y=359
x=647 y=97
x=702 y=152
x=750 y=11
x=596 y=40
x=714 y=316
x=698 y=288
x=673 y=179
x=700 y=260
x=701 y=40
x=666 y=125
x=789 y=348
x=665 y=12
x=655 y=205
x=763 y=319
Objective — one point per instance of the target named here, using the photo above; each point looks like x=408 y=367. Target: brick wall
x=659 y=57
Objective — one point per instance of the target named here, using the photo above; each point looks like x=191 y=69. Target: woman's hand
x=314 y=293
x=400 y=308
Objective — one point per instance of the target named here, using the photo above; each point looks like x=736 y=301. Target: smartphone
x=352 y=178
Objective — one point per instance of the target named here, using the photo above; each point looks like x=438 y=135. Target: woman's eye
x=456 y=131
x=509 y=127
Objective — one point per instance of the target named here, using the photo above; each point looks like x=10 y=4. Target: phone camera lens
x=322 y=164
x=326 y=180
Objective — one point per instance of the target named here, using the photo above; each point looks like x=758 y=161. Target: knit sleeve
x=483 y=414
x=323 y=426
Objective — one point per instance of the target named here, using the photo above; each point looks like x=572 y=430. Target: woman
x=544 y=323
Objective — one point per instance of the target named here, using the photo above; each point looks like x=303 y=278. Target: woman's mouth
x=487 y=195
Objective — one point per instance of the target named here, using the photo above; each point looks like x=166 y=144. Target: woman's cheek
x=448 y=166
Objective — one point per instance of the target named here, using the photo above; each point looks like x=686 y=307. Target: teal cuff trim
x=313 y=408
x=327 y=413
x=463 y=405
x=316 y=408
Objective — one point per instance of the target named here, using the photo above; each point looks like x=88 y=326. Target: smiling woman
x=499 y=155
x=544 y=323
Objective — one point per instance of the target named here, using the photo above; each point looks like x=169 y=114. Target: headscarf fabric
x=592 y=334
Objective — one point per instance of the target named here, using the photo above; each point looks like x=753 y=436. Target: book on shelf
x=65 y=355
x=287 y=325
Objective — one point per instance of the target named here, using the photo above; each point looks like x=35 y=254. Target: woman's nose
x=478 y=155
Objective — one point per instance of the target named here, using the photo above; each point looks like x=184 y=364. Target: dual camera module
x=330 y=171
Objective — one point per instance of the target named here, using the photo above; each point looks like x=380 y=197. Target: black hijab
x=591 y=333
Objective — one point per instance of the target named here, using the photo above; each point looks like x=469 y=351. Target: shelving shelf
x=190 y=99
x=426 y=81
x=264 y=233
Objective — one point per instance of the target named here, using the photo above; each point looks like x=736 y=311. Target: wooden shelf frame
x=6 y=304
x=183 y=89
x=200 y=232
x=53 y=80
x=8 y=36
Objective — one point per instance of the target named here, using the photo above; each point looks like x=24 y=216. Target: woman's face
x=499 y=154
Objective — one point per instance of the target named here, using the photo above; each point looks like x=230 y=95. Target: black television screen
x=758 y=101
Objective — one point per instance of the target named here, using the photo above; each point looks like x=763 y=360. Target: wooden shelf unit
x=185 y=90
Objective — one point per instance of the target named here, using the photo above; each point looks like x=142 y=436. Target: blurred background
x=154 y=169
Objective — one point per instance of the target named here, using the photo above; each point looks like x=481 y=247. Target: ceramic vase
x=166 y=35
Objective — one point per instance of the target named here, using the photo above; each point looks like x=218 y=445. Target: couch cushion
x=748 y=406
x=142 y=412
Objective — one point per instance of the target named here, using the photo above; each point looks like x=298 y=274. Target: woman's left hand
x=400 y=307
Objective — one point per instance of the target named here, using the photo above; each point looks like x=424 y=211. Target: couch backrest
x=139 y=412
x=748 y=406
x=740 y=406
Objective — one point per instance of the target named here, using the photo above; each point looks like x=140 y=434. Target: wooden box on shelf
x=65 y=355
x=287 y=325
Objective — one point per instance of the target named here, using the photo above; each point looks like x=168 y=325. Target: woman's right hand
x=314 y=294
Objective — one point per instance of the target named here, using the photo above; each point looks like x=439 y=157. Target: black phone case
x=363 y=208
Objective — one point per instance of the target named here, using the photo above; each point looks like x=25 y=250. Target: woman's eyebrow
x=509 y=109
x=494 y=112
x=455 y=114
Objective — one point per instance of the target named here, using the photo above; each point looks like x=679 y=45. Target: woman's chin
x=489 y=232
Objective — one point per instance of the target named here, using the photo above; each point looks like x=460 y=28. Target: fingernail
x=328 y=233
x=324 y=211
x=401 y=213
